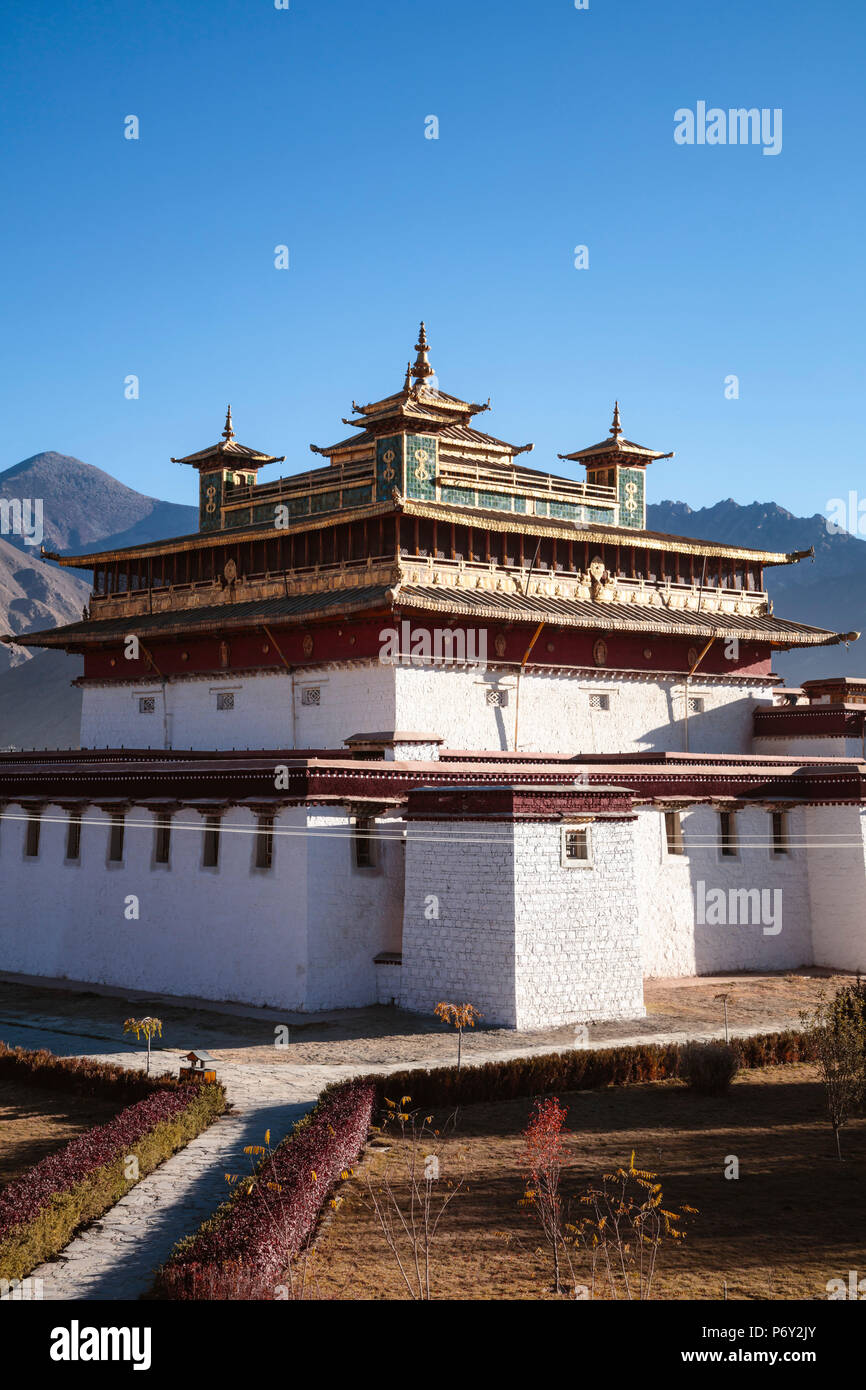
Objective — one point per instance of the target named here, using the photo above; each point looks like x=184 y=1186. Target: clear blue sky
x=306 y=127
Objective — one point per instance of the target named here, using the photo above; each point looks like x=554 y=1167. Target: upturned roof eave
x=482 y=518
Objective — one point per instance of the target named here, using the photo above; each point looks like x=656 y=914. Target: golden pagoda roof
x=229 y=448
x=418 y=405
x=616 y=444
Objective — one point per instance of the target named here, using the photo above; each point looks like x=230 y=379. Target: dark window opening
x=31 y=842
x=363 y=841
x=780 y=832
x=728 y=834
x=162 y=844
x=73 y=837
x=115 y=840
x=265 y=842
x=211 y=848
x=674 y=832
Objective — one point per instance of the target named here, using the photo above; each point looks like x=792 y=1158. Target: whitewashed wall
x=837 y=885
x=530 y=943
x=792 y=746
x=187 y=716
x=555 y=711
x=300 y=936
x=675 y=943
x=556 y=716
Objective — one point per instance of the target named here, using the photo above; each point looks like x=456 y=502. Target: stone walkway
x=115 y=1257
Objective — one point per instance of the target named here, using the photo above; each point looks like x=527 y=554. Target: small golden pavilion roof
x=229 y=449
x=615 y=444
x=417 y=406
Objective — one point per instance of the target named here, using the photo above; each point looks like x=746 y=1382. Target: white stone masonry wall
x=501 y=924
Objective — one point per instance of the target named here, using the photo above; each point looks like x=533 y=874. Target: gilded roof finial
x=228 y=432
x=422 y=368
x=615 y=428
x=407 y=384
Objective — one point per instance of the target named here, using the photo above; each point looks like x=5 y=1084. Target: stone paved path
x=114 y=1258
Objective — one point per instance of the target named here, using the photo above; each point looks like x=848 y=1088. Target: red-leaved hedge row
x=243 y=1251
x=40 y=1211
x=83 y=1075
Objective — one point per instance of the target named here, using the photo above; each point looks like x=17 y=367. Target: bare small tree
x=410 y=1203
x=839 y=1039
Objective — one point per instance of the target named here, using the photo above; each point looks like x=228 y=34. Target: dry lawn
x=795 y=1218
x=34 y=1122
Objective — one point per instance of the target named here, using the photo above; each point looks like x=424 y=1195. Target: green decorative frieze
x=211 y=490
x=631 y=498
x=389 y=466
x=421 y=466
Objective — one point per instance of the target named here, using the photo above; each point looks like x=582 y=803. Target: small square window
x=576 y=847
x=311 y=695
x=696 y=704
x=674 y=833
x=147 y=704
x=226 y=699
x=780 y=832
x=497 y=698
x=599 y=701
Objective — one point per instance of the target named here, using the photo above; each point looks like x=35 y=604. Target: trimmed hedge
x=247 y=1245
x=575 y=1070
x=41 y=1210
x=244 y=1249
x=83 y=1075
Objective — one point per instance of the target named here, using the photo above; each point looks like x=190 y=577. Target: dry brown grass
x=34 y=1122
x=795 y=1218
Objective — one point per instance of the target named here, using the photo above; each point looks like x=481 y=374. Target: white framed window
x=674 y=833
x=575 y=847
x=697 y=704
x=311 y=695
x=497 y=697
x=600 y=700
